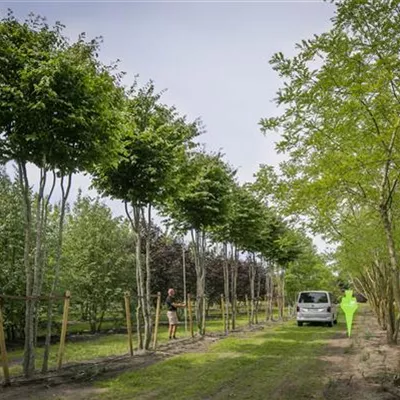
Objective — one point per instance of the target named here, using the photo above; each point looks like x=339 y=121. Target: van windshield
x=313 y=297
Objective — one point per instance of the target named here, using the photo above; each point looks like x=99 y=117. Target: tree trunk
x=395 y=279
x=38 y=249
x=258 y=294
x=282 y=295
x=199 y=242
x=184 y=281
x=29 y=350
x=99 y=325
x=138 y=271
x=148 y=324
x=225 y=267
x=42 y=260
x=269 y=291
x=140 y=283
x=57 y=268
x=203 y=279
x=235 y=266
x=252 y=277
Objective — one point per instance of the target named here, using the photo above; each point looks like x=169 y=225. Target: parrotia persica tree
x=200 y=205
x=340 y=128
x=60 y=109
x=154 y=146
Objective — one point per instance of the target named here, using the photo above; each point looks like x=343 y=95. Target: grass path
x=275 y=363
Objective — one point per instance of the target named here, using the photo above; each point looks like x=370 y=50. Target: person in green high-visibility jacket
x=349 y=306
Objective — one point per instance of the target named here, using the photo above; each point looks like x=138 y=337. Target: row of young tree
x=62 y=112
x=98 y=264
x=340 y=131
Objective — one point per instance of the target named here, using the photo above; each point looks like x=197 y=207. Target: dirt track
x=363 y=367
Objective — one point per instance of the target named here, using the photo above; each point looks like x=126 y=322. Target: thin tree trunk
x=225 y=267
x=137 y=274
x=148 y=318
x=387 y=191
x=141 y=309
x=37 y=266
x=203 y=280
x=43 y=247
x=269 y=289
x=258 y=294
x=198 y=239
x=235 y=267
x=252 y=277
x=281 y=295
x=57 y=268
x=101 y=320
x=29 y=350
x=395 y=279
x=184 y=281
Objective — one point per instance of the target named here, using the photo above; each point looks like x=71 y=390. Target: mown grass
x=278 y=363
x=99 y=346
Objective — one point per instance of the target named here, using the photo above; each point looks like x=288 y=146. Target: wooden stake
x=3 y=352
x=223 y=313
x=63 y=329
x=189 y=304
x=128 y=320
x=157 y=319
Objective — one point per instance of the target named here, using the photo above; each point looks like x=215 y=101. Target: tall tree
x=201 y=204
x=59 y=110
x=341 y=121
x=155 y=142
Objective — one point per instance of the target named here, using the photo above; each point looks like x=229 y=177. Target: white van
x=316 y=306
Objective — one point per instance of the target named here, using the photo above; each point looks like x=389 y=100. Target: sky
x=212 y=57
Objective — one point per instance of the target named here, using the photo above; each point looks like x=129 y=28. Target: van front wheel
x=330 y=324
x=299 y=323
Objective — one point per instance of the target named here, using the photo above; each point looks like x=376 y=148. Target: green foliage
x=203 y=198
x=341 y=114
x=97 y=257
x=12 y=275
x=155 y=142
x=309 y=271
x=59 y=106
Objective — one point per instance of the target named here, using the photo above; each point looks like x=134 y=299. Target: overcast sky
x=211 y=56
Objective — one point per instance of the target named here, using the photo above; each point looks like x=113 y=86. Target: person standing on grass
x=172 y=306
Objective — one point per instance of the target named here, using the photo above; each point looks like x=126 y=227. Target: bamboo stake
x=189 y=303
x=3 y=352
x=157 y=319
x=128 y=321
x=223 y=314
x=63 y=329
